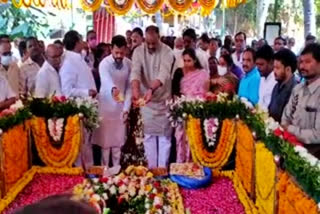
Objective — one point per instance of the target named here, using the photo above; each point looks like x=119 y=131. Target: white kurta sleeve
x=127 y=100
x=69 y=82
x=167 y=58
x=106 y=80
x=136 y=64
x=42 y=85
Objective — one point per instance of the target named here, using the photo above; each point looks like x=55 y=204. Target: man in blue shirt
x=250 y=83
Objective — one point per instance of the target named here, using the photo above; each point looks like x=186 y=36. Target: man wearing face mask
x=48 y=80
x=115 y=101
x=151 y=75
x=92 y=43
x=10 y=69
x=177 y=51
x=31 y=66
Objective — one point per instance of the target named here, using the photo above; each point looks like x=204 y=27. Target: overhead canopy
x=121 y=7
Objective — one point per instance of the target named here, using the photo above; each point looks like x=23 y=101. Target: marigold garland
x=27 y=178
x=95 y=5
x=39 y=3
x=14 y=154
x=176 y=201
x=241 y=192
x=219 y=157
x=150 y=6
x=120 y=9
x=245 y=152
x=292 y=199
x=265 y=184
x=180 y=5
x=67 y=154
x=208 y=5
x=17 y=4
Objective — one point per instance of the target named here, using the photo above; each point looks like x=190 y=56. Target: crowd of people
x=143 y=70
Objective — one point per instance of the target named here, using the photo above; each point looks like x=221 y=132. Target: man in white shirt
x=7 y=96
x=189 y=38
x=76 y=76
x=48 y=79
x=77 y=81
x=10 y=69
x=114 y=101
x=264 y=62
x=30 y=68
x=240 y=41
x=151 y=74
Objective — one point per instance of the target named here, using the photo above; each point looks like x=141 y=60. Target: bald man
x=48 y=80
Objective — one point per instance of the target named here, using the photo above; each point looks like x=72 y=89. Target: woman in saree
x=224 y=80
x=191 y=81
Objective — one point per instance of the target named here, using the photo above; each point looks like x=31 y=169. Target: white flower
x=300 y=149
x=246 y=102
x=113 y=190
x=55 y=127
x=276 y=158
x=147 y=206
x=17 y=105
x=1 y=131
x=184 y=115
x=122 y=189
x=95 y=180
x=312 y=160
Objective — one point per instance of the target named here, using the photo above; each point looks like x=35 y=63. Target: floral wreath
x=120 y=7
x=150 y=6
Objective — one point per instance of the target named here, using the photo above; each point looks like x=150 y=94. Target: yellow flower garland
x=208 y=5
x=247 y=203
x=176 y=202
x=180 y=5
x=150 y=8
x=120 y=9
x=292 y=199
x=265 y=184
x=67 y=154
x=245 y=151
x=27 y=178
x=95 y=5
x=17 y=4
x=39 y=3
x=220 y=156
x=14 y=154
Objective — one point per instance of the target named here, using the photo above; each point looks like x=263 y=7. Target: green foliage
x=23 y=22
x=10 y=121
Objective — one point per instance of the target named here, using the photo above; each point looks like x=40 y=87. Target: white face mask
x=6 y=60
x=222 y=70
x=177 y=51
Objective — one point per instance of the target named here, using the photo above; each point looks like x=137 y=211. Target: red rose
x=55 y=99
x=156 y=184
x=152 y=196
x=277 y=132
x=120 y=200
x=158 y=206
x=103 y=180
x=63 y=99
x=120 y=183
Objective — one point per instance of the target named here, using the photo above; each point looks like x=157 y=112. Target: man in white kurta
x=7 y=96
x=77 y=81
x=151 y=71
x=114 y=101
x=48 y=79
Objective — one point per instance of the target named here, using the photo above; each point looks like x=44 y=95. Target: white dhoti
x=157 y=150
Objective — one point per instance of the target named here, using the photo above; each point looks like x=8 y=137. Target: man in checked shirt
x=301 y=116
